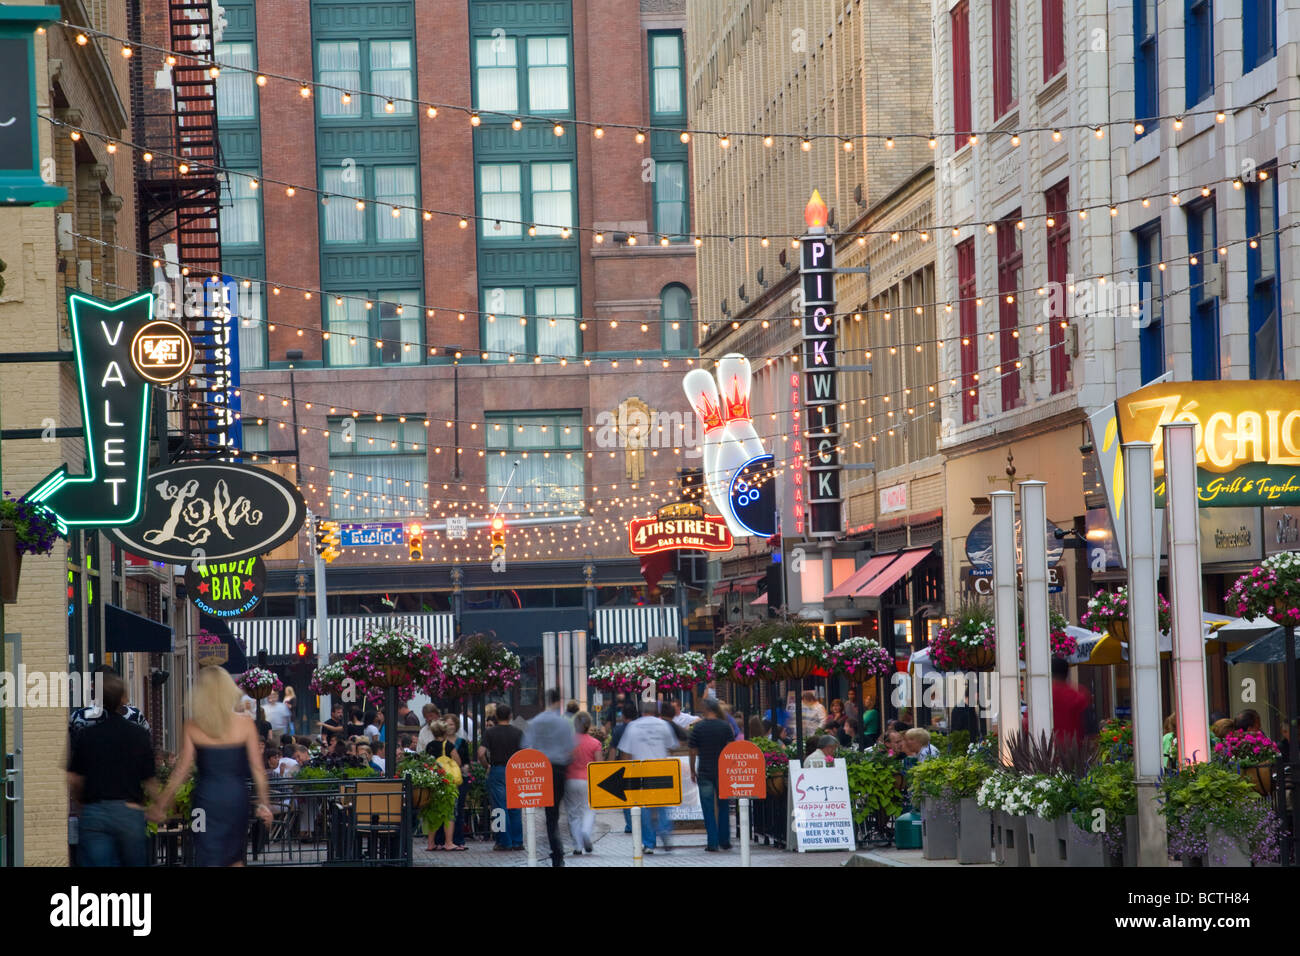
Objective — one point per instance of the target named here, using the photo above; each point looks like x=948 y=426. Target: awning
x=125 y=633
x=894 y=573
x=1267 y=650
x=759 y=602
x=740 y=585
x=862 y=575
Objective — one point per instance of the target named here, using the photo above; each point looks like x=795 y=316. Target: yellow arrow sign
x=614 y=784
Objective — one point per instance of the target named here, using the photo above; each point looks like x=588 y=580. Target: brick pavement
x=613 y=847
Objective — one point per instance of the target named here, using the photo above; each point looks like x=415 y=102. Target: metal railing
x=331 y=822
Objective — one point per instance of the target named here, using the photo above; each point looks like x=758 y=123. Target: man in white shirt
x=648 y=738
x=431 y=714
x=278 y=714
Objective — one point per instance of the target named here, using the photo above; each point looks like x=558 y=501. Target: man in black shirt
x=333 y=727
x=500 y=743
x=707 y=738
x=110 y=768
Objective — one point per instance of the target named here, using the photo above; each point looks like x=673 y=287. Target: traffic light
x=303 y=650
x=415 y=541
x=498 y=537
x=327 y=540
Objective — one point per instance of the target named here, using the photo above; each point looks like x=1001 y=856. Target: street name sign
x=615 y=784
x=373 y=535
x=529 y=781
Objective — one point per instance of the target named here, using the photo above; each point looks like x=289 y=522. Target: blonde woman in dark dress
x=225 y=747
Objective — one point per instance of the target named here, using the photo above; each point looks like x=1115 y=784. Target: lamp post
x=455 y=352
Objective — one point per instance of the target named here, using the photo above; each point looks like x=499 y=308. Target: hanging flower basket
x=859 y=658
x=980 y=659
x=800 y=667
x=789 y=649
x=329 y=679
x=394 y=656
x=1260 y=777
x=478 y=665
x=11 y=565
x=619 y=674
x=25 y=528
x=258 y=682
x=967 y=643
x=1270 y=590
x=677 y=670
x=210 y=650
x=1108 y=611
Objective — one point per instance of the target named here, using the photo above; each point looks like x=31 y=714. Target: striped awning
x=277 y=635
x=636 y=625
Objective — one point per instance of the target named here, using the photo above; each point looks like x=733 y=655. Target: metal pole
x=1143 y=537
x=744 y=831
x=1292 y=767
x=530 y=834
x=1003 y=504
x=390 y=731
x=1038 y=649
x=798 y=720
x=1193 y=730
x=322 y=632
x=455 y=458
x=637 y=859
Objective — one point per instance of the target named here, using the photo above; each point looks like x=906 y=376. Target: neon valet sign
x=115 y=418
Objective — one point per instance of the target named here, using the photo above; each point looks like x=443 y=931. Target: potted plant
x=1253 y=754
x=478 y=665
x=999 y=795
x=1053 y=797
x=946 y=785
x=1115 y=741
x=1062 y=644
x=1108 y=611
x=393 y=656
x=966 y=643
x=621 y=673
x=858 y=658
x=1214 y=815
x=330 y=678
x=258 y=682
x=25 y=528
x=433 y=795
x=871 y=785
x=1104 y=817
x=777 y=762
x=790 y=649
x=677 y=670
x=1270 y=590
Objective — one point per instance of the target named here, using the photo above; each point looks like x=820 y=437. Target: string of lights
x=187 y=166
x=309 y=88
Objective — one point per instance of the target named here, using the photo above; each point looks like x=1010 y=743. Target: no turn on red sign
x=528 y=780
x=742 y=772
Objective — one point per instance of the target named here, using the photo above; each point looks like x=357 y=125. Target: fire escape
x=179 y=196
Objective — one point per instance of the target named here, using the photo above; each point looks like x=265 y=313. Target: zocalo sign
x=213 y=512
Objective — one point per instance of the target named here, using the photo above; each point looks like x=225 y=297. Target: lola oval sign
x=213 y=512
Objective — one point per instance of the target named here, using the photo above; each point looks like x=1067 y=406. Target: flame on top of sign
x=814 y=214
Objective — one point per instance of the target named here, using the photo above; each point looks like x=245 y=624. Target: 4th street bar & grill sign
x=702 y=533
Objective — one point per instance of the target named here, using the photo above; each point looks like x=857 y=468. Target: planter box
x=1015 y=841
x=938 y=830
x=1130 y=856
x=975 y=833
x=1083 y=847
x=1226 y=849
x=1043 y=848
x=1063 y=827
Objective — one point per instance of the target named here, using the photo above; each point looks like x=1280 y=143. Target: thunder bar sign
x=1247 y=437
x=821 y=391
x=671 y=533
x=114 y=413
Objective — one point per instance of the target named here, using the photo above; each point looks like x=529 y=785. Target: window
x=671 y=209
x=241 y=209
x=548 y=74
x=1259 y=33
x=500 y=201
x=1150 y=323
x=1146 y=89
x=386 y=333
x=338 y=65
x=1010 y=261
x=675 y=318
x=666 y=74
x=556 y=325
x=970 y=349
x=257 y=438
x=1262 y=268
x=1053 y=38
x=252 y=331
x=551 y=333
x=496 y=83
x=1198 y=34
x=235 y=86
x=505 y=331
x=1058 y=268
x=343 y=221
x=1204 y=301
x=378 y=469
x=1004 y=56
x=390 y=77
x=548 y=448
x=552 y=197
x=961 y=94
x=395 y=193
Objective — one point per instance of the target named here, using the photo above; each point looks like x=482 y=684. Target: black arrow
x=618 y=783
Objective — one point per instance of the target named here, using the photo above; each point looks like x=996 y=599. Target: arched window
x=675 y=318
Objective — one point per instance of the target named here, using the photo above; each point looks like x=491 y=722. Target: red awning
x=741 y=585
x=862 y=575
x=891 y=575
x=759 y=602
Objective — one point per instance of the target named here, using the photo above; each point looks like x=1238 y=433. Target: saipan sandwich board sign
x=207 y=512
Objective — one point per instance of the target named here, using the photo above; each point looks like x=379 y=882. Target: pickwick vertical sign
x=821 y=393
x=114 y=371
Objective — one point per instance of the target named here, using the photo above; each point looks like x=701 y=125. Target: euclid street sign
x=668 y=532
x=612 y=784
x=114 y=413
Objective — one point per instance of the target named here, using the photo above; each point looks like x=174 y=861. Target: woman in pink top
x=582 y=819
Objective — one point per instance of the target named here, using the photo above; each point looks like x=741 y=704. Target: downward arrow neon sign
x=114 y=415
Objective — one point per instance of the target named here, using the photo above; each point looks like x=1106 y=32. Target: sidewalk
x=613 y=847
